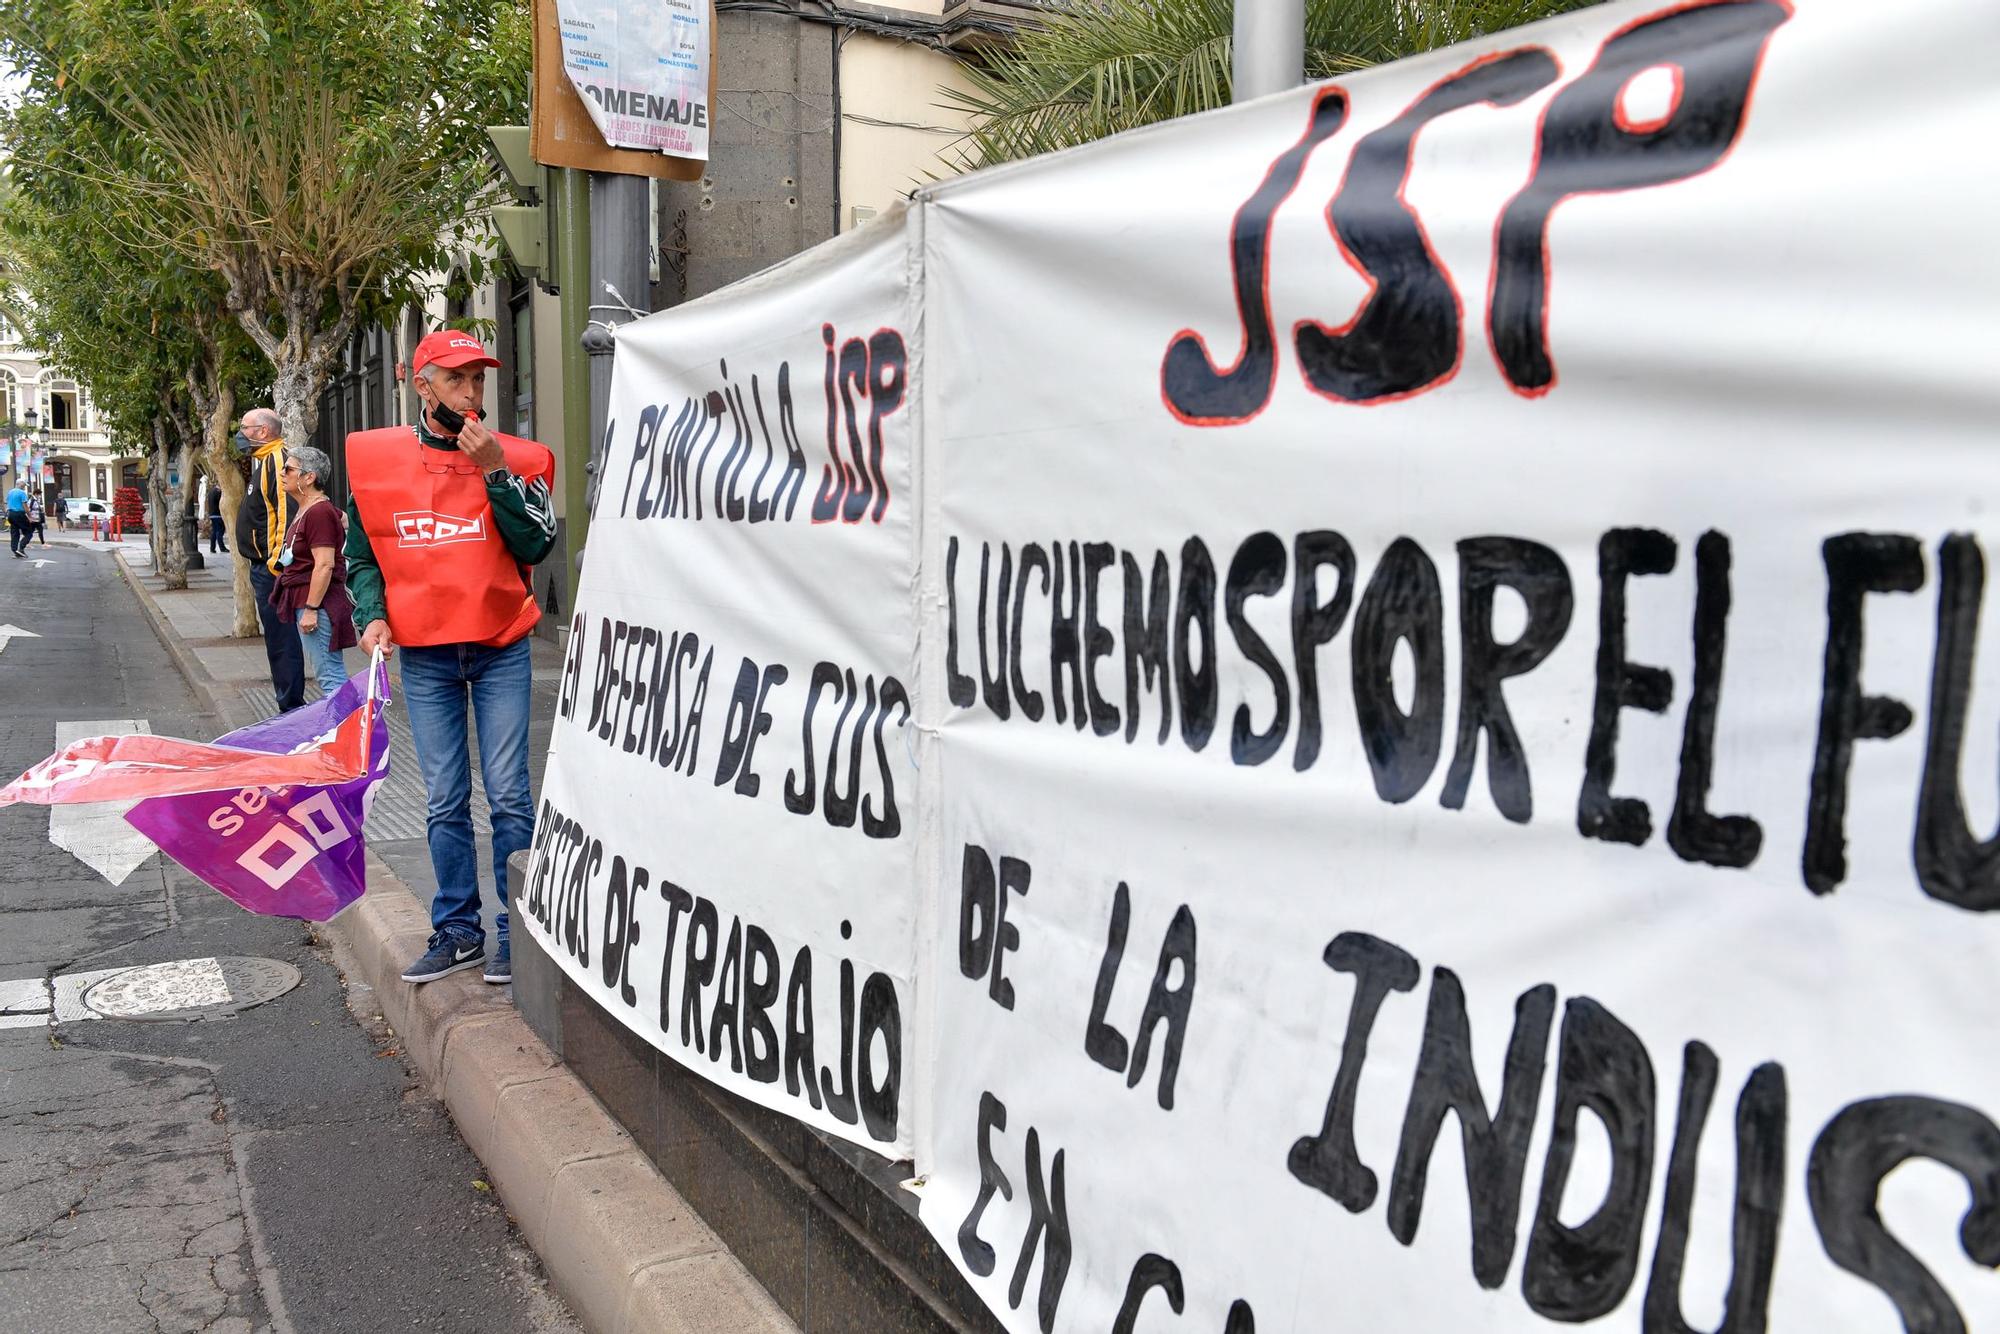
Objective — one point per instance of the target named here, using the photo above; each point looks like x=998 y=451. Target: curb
x=619 y=1243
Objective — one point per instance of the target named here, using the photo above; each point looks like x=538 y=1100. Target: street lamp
x=20 y=465
x=37 y=435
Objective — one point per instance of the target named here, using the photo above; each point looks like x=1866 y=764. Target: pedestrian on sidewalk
x=17 y=521
x=261 y=522
x=312 y=573
x=216 y=527
x=38 y=520
x=444 y=520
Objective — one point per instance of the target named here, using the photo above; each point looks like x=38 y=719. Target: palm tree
x=1096 y=67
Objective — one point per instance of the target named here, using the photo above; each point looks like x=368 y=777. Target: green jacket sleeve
x=364 y=574
x=525 y=516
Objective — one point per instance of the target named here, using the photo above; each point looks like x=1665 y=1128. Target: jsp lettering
x=1407 y=337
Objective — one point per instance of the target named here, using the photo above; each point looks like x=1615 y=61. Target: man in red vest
x=444 y=520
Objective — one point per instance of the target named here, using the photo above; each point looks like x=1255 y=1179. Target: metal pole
x=1269 y=54
x=620 y=257
x=572 y=273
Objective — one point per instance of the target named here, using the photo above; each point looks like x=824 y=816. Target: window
x=64 y=411
x=377 y=408
x=457 y=299
x=413 y=332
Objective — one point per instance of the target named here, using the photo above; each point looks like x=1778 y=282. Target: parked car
x=82 y=509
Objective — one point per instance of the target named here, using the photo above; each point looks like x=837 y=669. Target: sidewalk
x=619 y=1243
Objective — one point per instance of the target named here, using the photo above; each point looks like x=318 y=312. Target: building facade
x=824 y=117
x=76 y=457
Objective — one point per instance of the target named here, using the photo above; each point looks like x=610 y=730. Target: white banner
x=641 y=70
x=726 y=842
x=1455 y=792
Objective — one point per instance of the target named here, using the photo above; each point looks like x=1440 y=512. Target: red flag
x=128 y=768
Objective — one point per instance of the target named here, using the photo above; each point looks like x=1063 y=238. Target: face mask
x=449 y=421
x=242 y=444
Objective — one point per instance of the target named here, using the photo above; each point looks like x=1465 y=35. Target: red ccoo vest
x=447 y=575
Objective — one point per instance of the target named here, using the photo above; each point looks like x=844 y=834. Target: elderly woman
x=312 y=572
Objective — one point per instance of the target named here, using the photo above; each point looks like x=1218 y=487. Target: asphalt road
x=276 y=1169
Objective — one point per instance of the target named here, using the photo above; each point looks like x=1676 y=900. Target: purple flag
x=281 y=851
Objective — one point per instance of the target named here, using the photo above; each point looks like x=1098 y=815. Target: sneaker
x=500 y=968
x=447 y=955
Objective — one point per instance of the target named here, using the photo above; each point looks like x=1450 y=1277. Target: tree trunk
x=169 y=544
x=234 y=488
x=295 y=391
x=303 y=358
x=156 y=479
x=215 y=404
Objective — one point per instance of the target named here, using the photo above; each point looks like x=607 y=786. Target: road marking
x=97 y=834
x=183 y=984
x=24 y=1004
x=38 y=563
x=34 y=1003
x=12 y=632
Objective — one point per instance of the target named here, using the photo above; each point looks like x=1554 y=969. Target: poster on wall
x=725 y=853
x=1448 y=774
x=641 y=70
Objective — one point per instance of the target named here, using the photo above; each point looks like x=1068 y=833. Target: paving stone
x=539 y=1129
x=700 y=1294
x=607 y=1219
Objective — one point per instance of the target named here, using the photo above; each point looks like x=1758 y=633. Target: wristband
x=308 y=608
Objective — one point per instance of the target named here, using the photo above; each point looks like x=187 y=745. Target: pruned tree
x=147 y=331
x=317 y=156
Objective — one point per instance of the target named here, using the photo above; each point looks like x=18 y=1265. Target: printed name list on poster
x=1401 y=736
x=642 y=71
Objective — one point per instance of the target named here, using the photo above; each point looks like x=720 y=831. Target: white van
x=80 y=510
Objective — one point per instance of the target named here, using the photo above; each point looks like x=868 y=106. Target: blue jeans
x=437 y=682
x=327 y=666
x=281 y=643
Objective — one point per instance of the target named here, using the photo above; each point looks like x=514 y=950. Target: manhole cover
x=190 y=988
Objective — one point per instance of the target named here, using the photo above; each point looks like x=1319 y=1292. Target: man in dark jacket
x=261 y=522
x=212 y=507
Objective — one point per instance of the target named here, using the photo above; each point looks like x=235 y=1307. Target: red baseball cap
x=452 y=349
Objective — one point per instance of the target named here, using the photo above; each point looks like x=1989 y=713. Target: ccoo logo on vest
x=428 y=528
